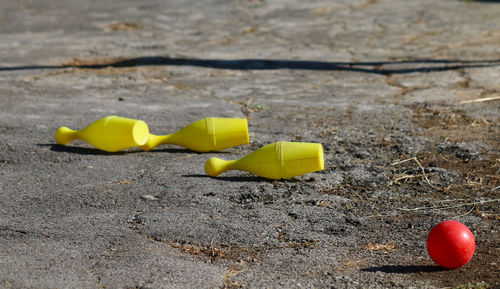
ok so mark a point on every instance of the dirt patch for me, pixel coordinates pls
(125, 26)
(453, 125)
(213, 252)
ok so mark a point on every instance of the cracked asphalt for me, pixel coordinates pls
(403, 96)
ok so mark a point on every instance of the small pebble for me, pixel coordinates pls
(149, 197)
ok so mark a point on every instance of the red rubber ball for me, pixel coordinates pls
(450, 244)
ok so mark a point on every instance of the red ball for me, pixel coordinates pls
(450, 244)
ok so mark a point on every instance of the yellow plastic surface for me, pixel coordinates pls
(111, 133)
(208, 134)
(280, 160)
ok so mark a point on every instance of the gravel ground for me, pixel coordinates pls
(403, 96)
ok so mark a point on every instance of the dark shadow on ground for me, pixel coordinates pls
(419, 65)
(247, 178)
(404, 269)
(173, 151)
(237, 179)
(94, 151)
(184, 150)
(83, 151)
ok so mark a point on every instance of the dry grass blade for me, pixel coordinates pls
(465, 214)
(480, 99)
(231, 271)
(449, 207)
(401, 177)
(421, 167)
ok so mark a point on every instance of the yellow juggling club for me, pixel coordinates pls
(112, 133)
(208, 134)
(280, 160)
